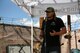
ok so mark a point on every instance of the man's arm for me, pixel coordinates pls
(41, 34)
(61, 32)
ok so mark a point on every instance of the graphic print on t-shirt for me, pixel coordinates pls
(53, 23)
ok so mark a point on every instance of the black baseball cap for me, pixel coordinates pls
(49, 9)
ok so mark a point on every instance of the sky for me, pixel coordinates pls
(13, 14)
(9, 11)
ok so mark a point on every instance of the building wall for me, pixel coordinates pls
(8, 36)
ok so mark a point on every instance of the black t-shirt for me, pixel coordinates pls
(48, 26)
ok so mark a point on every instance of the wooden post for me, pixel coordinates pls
(75, 39)
(69, 32)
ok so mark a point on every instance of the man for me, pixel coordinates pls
(52, 29)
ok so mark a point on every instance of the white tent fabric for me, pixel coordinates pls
(62, 7)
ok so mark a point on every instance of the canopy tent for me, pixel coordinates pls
(37, 7)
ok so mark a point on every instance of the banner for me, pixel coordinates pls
(60, 8)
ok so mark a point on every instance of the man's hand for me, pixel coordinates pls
(53, 33)
(61, 32)
(41, 34)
